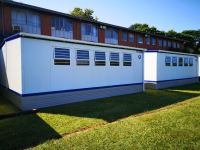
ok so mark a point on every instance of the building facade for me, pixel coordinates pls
(168, 69)
(39, 71)
(15, 17)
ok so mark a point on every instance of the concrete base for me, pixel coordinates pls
(169, 83)
(53, 99)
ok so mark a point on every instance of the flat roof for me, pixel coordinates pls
(57, 39)
(170, 52)
(13, 3)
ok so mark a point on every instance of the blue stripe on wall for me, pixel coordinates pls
(65, 91)
(150, 81)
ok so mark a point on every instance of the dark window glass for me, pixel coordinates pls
(174, 61)
(180, 61)
(82, 58)
(167, 61)
(124, 36)
(114, 59)
(61, 56)
(100, 58)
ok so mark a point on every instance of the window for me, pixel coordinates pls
(191, 62)
(180, 61)
(153, 40)
(131, 38)
(164, 43)
(114, 59)
(169, 44)
(89, 32)
(82, 58)
(160, 42)
(127, 60)
(174, 61)
(185, 61)
(174, 44)
(140, 39)
(148, 40)
(100, 58)
(62, 27)
(167, 61)
(61, 56)
(28, 21)
(178, 45)
(111, 36)
(124, 36)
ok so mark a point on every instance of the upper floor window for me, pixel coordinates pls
(140, 39)
(89, 32)
(164, 43)
(174, 44)
(153, 40)
(26, 21)
(169, 44)
(160, 42)
(178, 45)
(111, 36)
(62, 27)
(148, 40)
(124, 36)
(131, 38)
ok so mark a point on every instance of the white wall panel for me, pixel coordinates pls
(150, 66)
(41, 75)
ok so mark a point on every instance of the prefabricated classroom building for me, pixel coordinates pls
(168, 69)
(39, 71)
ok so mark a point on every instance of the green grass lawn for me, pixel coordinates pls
(6, 107)
(156, 119)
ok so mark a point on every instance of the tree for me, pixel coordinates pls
(145, 28)
(172, 33)
(140, 27)
(86, 13)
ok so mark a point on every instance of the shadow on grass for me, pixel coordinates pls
(30, 130)
(114, 108)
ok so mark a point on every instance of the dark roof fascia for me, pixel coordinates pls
(13, 3)
(170, 52)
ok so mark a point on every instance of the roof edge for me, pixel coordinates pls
(44, 37)
(170, 52)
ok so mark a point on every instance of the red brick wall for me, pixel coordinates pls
(101, 35)
(45, 24)
(46, 30)
(77, 30)
(7, 20)
(126, 43)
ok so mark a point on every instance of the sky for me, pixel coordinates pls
(178, 15)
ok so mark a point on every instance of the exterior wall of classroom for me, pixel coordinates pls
(162, 76)
(199, 65)
(175, 72)
(150, 66)
(36, 84)
(10, 66)
(43, 76)
(6, 30)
